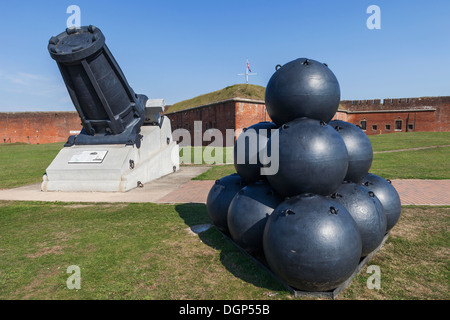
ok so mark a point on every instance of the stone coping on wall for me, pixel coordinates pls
(38, 112)
(422, 109)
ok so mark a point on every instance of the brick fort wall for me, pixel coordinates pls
(374, 116)
(397, 115)
(38, 127)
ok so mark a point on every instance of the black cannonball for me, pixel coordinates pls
(312, 243)
(388, 196)
(366, 210)
(312, 158)
(247, 150)
(302, 88)
(219, 199)
(360, 154)
(248, 213)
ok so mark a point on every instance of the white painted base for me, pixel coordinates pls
(158, 156)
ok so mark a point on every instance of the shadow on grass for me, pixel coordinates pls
(238, 263)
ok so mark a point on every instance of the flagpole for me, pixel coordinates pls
(247, 73)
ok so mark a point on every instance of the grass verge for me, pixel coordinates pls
(216, 172)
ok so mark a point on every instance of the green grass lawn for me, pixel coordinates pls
(418, 164)
(125, 251)
(22, 164)
(146, 251)
(406, 140)
(206, 155)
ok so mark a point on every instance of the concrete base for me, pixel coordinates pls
(123, 168)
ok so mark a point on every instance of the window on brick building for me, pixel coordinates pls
(388, 127)
(410, 126)
(363, 124)
(398, 125)
(374, 127)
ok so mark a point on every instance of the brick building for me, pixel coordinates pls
(397, 115)
(236, 113)
(374, 116)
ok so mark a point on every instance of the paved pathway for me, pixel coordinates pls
(423, 192)
(411, 192)
(151, 192)
(179, 188)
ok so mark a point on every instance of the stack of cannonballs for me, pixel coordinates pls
(321, 212)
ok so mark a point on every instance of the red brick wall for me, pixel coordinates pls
(421, 114)
(424, 114)
(249, 113)
(235, 114)
(395, 104)
(420, 121)
(38, 127)
(220, 115)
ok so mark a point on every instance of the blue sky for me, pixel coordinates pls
(177, 50)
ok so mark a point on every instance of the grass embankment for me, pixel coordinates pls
(247, 91)
(146, 251)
